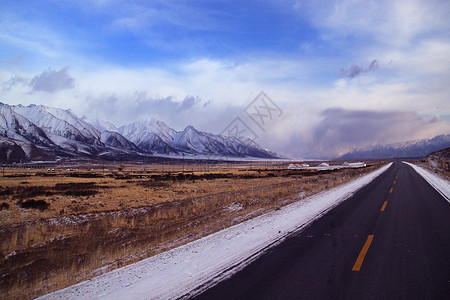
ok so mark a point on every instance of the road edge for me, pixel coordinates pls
(439, 184)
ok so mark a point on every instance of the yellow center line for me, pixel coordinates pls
(384, 206)
(390, 191)
(396, 177)
(395, 181)
(362, 254)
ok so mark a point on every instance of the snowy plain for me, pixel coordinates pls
(189, 269)
(439, 184)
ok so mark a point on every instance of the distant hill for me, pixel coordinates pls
(443, 154)
(418, 148)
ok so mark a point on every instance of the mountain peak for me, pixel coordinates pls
(190, 128)
(100, 125)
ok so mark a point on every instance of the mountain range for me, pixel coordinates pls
(41, 133)
(410, 149)
(37, 132)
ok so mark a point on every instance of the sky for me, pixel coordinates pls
(341, 74)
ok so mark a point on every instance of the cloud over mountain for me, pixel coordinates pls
(51, 81)
(342, 130)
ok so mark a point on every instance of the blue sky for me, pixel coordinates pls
(156, 33)
(324, 63)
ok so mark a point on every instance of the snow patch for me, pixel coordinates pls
(234, 207)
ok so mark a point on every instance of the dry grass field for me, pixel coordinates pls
(59, 227)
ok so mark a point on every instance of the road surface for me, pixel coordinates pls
(391, 240)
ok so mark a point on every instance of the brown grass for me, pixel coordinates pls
(103, 220)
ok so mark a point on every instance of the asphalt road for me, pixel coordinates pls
(391, 240)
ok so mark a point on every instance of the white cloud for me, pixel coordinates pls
(396, 23)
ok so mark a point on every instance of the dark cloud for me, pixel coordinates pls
(16, 80)
(435, 119)
(51, 81)
(189, 102)
(343, 130)
(355, 70)
(210, 101)
(162, 106)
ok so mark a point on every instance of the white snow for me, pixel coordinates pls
(58, 121)
(101, 125)
(14, 125)
(143, 130)
(115, 139)
(440, 184)
(193, 267)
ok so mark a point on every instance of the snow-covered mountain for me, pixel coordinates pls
(12, 150)
(101, 125)
(69, 132)
(15, 126)
(116, 140)
(191, 140)
(156, 136)
(64, 128)
(20, 138)
(43, 132)
(418, 148)
(143, 130)
(61, 126)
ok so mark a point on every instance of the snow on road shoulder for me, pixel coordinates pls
(440, 184)
(195, 266)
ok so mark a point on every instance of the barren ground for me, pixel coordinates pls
(59, 227)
